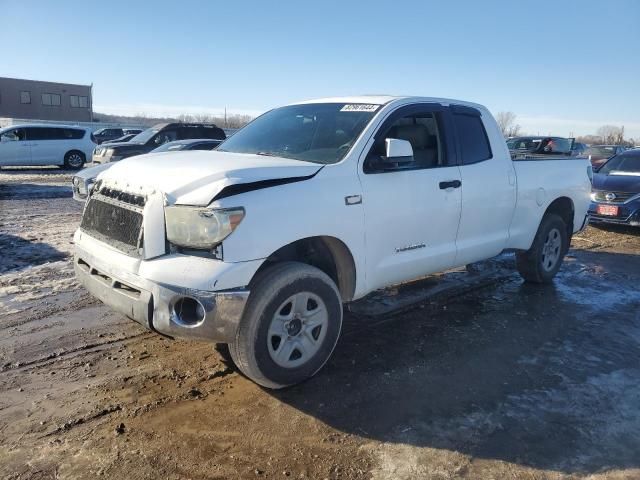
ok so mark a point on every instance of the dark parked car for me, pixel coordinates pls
(534, 147)
(155, 136)
(110, 134)
(193, 144)
(579, 149)
(124, 138)
(615, 197)
(598, 154)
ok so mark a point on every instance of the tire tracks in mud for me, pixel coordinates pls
(192, 394)
(68, 354)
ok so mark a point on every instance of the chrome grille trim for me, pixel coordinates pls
(620, 197)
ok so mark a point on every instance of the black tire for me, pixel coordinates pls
(74, 159)
(536, 265)
(272, 287)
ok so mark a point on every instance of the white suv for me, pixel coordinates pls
(45, 145)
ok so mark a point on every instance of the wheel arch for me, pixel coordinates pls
(563, 206)
(329, 254)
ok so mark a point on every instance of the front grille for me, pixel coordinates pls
(618, 197)
(124, 197)
(116, 219)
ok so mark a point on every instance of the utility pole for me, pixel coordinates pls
(225, 117)
(91, 100)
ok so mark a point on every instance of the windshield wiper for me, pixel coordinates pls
(267, 154)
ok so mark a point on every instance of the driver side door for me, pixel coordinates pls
(412, 211)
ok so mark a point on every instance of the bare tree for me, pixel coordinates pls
(507, 123)
(611, 134)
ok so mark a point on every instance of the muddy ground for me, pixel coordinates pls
(490, 378)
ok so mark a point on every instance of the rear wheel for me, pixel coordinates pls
(542, 261)
(74, 159)
(290, 326)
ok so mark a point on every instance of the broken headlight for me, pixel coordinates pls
(201, 228)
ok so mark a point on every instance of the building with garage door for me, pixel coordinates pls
(36, 100)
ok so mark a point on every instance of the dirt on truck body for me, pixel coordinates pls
(462, 375)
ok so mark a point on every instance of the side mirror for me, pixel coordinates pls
(398, 151)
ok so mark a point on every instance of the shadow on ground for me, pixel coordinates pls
(542, 376)
(17, 253)
(30, 191)
(611, 227)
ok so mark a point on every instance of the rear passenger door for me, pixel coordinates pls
(412, 211)
(488, 189)
(42, 145)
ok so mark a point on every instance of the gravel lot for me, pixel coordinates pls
(490, 378)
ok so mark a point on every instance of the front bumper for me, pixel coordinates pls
(628, 214)
(146, 294)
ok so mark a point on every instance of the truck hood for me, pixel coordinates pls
(196, 177)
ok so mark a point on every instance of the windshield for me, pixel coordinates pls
(314, 132)
(623, 164)
(144, 136)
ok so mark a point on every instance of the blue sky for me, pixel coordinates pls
(562, 66)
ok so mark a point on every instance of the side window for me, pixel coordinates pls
(185, 133)
(472, 138)
(165, 136)
(422, 130)
(37, 133)
(56, 134)
(213, 133)
(25, 97)
(17, 135)
(71, 134)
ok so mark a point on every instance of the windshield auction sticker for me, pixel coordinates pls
(359, 107)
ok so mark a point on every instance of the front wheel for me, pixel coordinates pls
(74, 159)
(542, 261)
(290, 325)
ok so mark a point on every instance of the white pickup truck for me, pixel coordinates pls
(312, 205)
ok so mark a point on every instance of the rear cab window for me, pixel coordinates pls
(472, 137)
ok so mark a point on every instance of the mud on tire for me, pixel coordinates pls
(542, 261)
(290, 325)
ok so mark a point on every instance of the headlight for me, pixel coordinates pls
(593, 197)
(200, 227)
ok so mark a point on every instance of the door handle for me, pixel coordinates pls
(450, 184)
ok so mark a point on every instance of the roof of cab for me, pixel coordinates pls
(385, 99)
